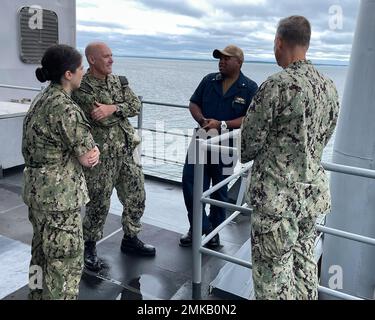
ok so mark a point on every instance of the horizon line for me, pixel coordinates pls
(316, 62)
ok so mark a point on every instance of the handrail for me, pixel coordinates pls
(140, 119)
(166, 132)
(337, 294)
(226, 181)
(345, 234)
(226, 205)
(140, 126)
(165, 104)
(356, 171)
(162, 159)
(221, 226)
(20, 88)
(201, 197)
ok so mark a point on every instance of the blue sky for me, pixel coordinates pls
(193, 28)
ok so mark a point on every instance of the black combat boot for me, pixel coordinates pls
(186, 240)
(90, 257)
(214, 242)
(136, 246)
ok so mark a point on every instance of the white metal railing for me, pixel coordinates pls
(203, 197)
(139, 119)
(6, 86)
(200, 197)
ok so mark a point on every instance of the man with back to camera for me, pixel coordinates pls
(218, 104)
(108, 101)
(287, 126)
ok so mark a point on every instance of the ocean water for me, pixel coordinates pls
(174, 81)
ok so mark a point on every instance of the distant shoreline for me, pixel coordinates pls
(318, 63)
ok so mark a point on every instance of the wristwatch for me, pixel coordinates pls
(223, 125)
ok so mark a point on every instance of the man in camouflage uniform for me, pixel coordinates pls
(288, 124)
(55, 134)
(108, 101)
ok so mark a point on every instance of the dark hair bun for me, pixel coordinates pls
(56, 61)
(41, 74)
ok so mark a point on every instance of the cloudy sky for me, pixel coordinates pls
(193, 28)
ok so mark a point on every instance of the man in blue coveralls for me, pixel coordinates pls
(218, 105)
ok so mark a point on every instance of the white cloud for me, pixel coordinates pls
(136, 19)
(177, 24)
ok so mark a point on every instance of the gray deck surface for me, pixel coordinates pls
(166, 276)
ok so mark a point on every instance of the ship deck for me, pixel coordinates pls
(163, 277)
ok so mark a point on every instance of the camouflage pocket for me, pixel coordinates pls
(62, 235)
(315, 199)
(274, 236)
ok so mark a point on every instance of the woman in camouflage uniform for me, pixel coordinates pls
(56, 144)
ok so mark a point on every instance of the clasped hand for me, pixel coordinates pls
(208, 124)
(102, 111)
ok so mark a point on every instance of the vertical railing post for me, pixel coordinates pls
(200, 152)
(140, 127)
(140, 118)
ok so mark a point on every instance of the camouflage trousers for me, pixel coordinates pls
(283, 257)
(126, 176)
(56, 254)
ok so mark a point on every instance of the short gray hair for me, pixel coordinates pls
(295, 30)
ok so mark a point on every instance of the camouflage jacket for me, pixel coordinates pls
(55, 133)
(114, 135)
(287, 126)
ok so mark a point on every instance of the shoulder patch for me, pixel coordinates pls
(124, 81)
